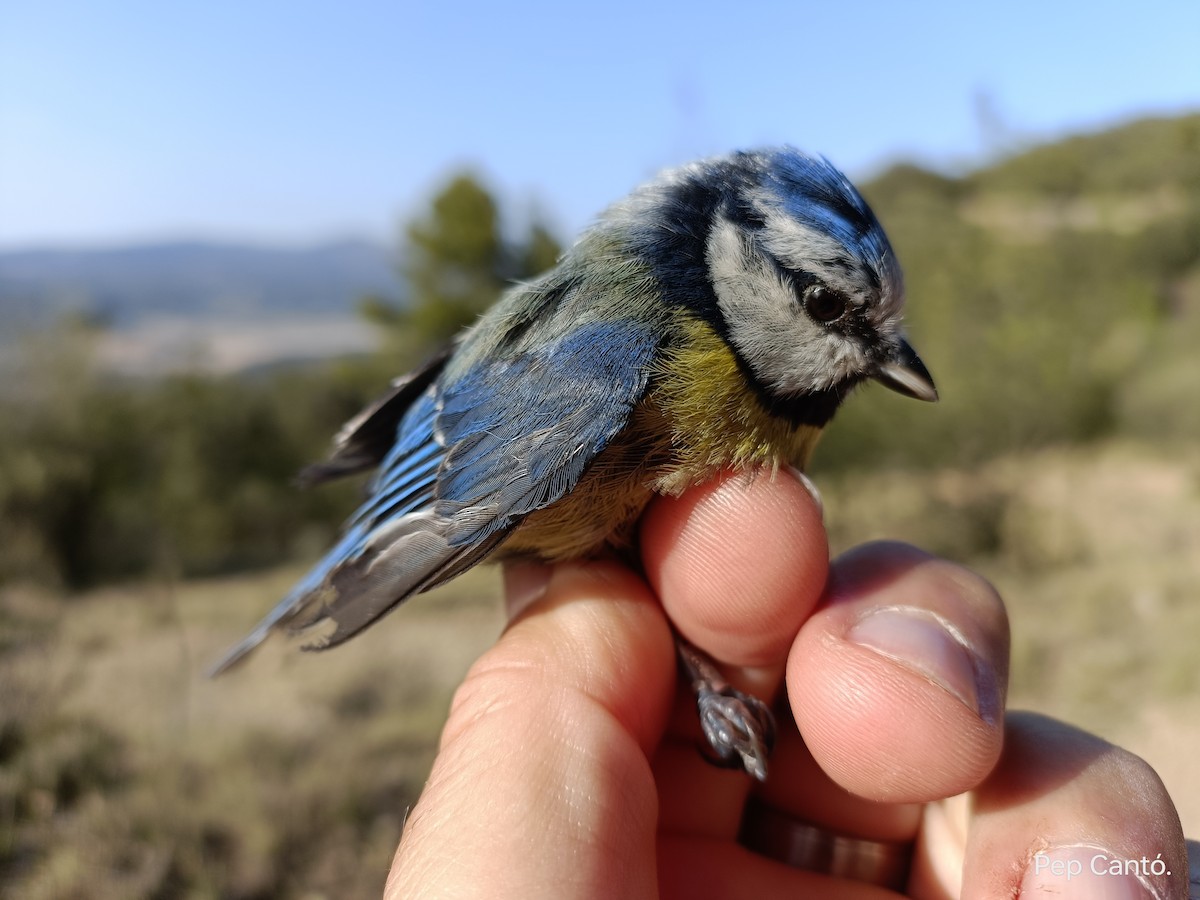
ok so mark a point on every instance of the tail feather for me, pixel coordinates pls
(298, 602)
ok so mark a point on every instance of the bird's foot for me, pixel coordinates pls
(739, 728)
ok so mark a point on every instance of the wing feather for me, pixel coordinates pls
(471, 457)
(365, 441)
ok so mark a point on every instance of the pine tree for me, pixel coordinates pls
(456, 263)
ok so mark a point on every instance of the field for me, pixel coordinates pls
(125, 774)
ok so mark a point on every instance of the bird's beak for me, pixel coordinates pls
(905, 374)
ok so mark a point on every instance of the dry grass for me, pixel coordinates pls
(125, 774)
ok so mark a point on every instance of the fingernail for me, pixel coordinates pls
(811, 487)
(1089, 872)
(524, 584)
(930, 646)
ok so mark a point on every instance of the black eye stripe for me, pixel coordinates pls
(742, 213)
(797, 279)
(852, 323)
(839, 262)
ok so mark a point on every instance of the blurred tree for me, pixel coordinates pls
(541, 252)
(456, 262)
(104, 478)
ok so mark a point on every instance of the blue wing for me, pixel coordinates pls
(472, 456)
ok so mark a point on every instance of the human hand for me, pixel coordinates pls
(568, 767)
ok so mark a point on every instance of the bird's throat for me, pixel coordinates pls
(717, 418)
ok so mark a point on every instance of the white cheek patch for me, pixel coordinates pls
(787, 351)
(801, 247)
(813, 250)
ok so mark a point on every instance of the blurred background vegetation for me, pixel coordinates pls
(145, 522)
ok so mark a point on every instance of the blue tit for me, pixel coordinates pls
(714, 319)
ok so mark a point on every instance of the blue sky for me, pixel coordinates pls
(297, 121)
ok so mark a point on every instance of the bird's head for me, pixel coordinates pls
(781, 255)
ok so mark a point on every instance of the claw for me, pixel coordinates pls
(739, 728)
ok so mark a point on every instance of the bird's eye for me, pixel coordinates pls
(823, 304)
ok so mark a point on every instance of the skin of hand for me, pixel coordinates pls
(568, 767)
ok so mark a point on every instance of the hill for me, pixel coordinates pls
(219, 306)
(1055, 296)
(122, 285)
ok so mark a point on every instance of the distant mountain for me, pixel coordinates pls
(124, 286)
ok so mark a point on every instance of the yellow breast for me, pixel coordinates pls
(699, 417)
(716, 419)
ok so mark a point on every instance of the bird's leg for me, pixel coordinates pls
(739, 728)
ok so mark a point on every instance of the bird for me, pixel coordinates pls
(713, 320)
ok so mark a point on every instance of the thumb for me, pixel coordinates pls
(541, 786)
